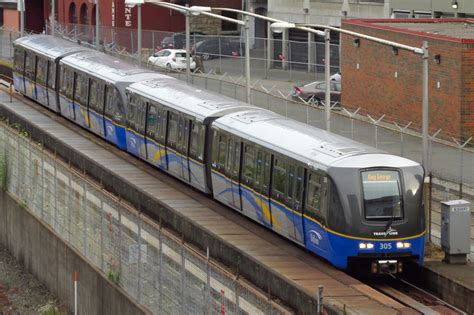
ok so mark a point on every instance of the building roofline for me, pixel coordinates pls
(378, 24)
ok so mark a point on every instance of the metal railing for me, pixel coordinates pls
(152, 265)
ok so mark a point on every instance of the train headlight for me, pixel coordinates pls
(403, 245)
(366, 246)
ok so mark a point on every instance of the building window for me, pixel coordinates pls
(229, 26)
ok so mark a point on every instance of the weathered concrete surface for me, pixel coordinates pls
(53, 262)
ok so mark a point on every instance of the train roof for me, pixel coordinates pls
(49, 46)
(202, 104)
(305, 143)
(106, 67)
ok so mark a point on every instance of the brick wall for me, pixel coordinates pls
(375, 89)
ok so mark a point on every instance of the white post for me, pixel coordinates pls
(425, 108)
(21, 8)
(97, 25)
(247, 58)
(53, 16)
(188, 47)
(327, 68)
(269, 46)
(139, 14)
(75, 292)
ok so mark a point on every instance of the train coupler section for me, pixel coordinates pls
(386, 267)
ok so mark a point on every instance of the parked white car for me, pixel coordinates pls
(172, 59)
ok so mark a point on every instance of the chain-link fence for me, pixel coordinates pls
(450, 159)
(148, 262)
(6, 44)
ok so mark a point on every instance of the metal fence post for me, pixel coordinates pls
(102, 211)
(461, 166)
(208, 283)
(319, 299)
(402, 138)
(160, 270)
(183, 280)
(139, 282)
(55, 192)
(84, 215)
(376, 124)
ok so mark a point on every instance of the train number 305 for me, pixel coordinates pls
(385, 246)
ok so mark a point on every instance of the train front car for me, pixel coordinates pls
(376, 219)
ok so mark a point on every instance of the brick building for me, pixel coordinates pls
(381, 80)
(114, 13)
(10, 16)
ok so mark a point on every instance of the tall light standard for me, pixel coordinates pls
(454, 5)
(21, 8)
(138, 3)
(53, 16)
(278, 27)
(97, 24)
(197, 10)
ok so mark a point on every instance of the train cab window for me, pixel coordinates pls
(196, 148)
(382, 195)
(41, 71)
(172, 130)
(52, 74)
(19, 60)
(315, 206)
(30, 65)
(248, 175)
(81, 89)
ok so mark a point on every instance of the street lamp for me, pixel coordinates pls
(197, 10)
(279, 27)
(97, 24)
(454, 5)
(21, 8)
(139, 3)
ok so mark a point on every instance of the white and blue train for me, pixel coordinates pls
(344, 201)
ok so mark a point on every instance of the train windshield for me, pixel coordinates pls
(382, 195)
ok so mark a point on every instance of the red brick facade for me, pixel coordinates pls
(391, 84)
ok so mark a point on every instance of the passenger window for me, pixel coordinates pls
(248, 165)
(197, 141)
(117, 104)
(30, 65)
(280, 179)
(52, 75)
(183, 134)
(314, 197)
(222, 151)
(93, 94)
(291, 181)
(19, 60)
(67, 82)
(41, 71)
(172, 130)
(108, 101)
(141, 116)
(162, 123)
(298, 197)
(132, 109)
(81, 89)
(151, 121)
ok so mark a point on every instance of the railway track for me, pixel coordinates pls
(417, 299)
(414, 297)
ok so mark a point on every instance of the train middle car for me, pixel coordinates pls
(347, 202)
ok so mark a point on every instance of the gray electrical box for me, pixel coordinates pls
(456, 230)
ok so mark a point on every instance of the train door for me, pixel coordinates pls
(155, 135)
(41, 78)
(30, 74)
(315, 213)
(114, 117)
(196, 155)
(262, 185)
(233, 170)
(251, 206)
(295, 201)
(52, 96)
(81, 93)
(184, 125)
(221, 182)
(19, 69)
(135, 123)
(66, 92)
(96, 107)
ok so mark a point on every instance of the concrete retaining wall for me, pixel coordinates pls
(225, 253)
(53, 262)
